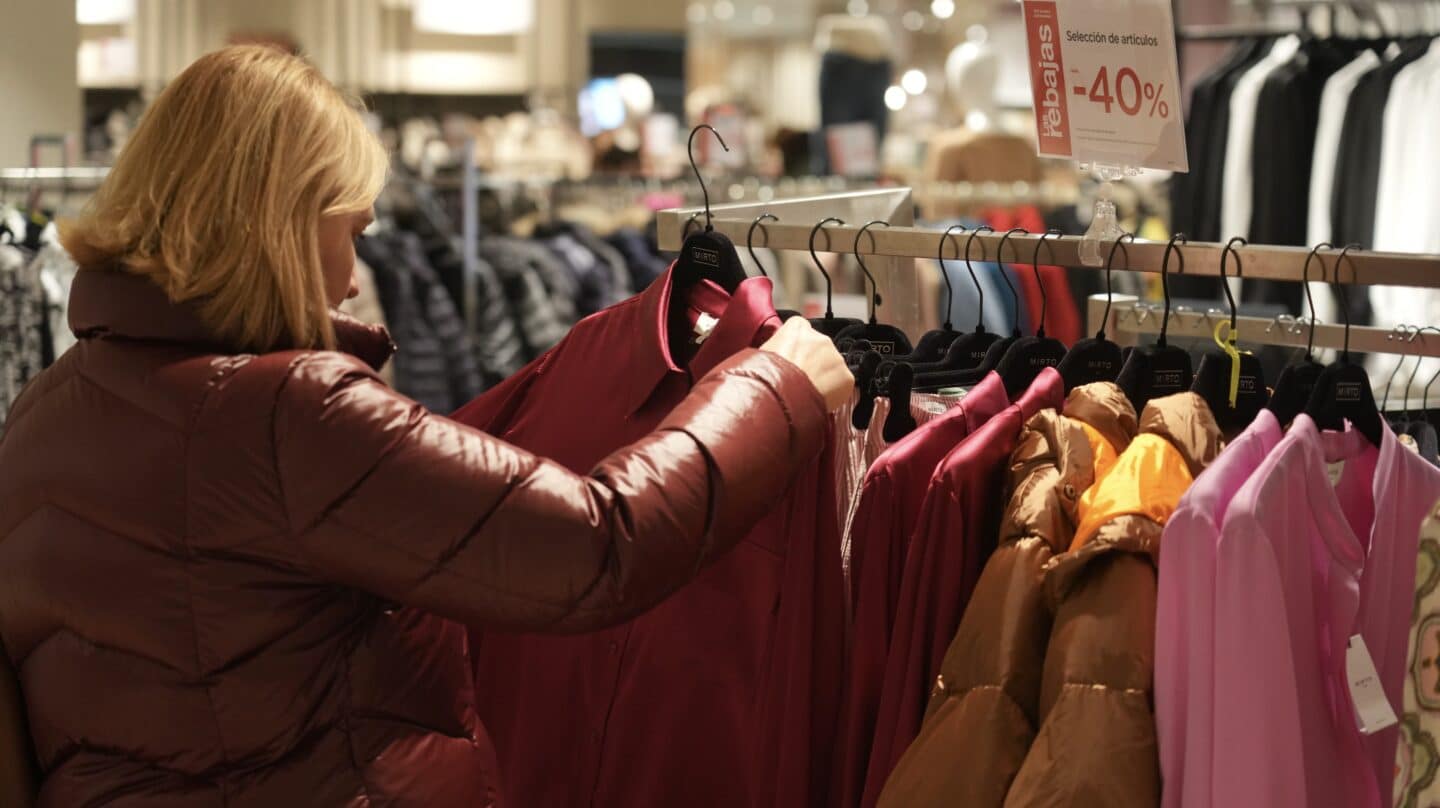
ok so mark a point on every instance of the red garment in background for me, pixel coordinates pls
(1062, 314)
(955, 535)
(726, 693)
(890, 501)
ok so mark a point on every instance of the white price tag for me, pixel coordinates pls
(1372, 710)
(1105, 82)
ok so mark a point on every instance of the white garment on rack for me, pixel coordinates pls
(1239, 177)
(1403, 182)
(1334, 102)
(1408, 202)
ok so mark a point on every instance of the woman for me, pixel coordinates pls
(229, 555)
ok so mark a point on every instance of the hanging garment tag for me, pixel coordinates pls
(1372, 711)
(704, 324)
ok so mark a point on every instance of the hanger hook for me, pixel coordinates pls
(1005, 276)
(1410, 385)
(1309, 298)
(980, 311)
(874, 287)
(750, 239)
(1239, 273)
(1109, 287)
(1345, 296)
(1165, 280)
(1035, 267)
(949, 285)
(1403, 330)
(829, 307)
(685, 231)
(690, 147)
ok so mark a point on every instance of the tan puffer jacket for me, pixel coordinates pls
(1097, 746)
(228, 579)
(983, 710)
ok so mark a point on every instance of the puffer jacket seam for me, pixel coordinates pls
(345, 709)
(187, 564)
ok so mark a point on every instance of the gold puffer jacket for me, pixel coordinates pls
(1096, 745)
(984, 707)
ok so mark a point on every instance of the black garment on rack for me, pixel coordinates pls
(1212, 173)
(1285, 122)
(1357, 175)
(435, 359)
(852, 90)
(1196, 197)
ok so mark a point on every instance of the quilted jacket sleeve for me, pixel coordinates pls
(19, 772)
(386, 497)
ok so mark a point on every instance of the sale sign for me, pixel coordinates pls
(1105, 82)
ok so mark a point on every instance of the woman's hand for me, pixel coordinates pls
(816, 356)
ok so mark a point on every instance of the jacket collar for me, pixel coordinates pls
(1184, 420)
(112, 304)
(745, 318)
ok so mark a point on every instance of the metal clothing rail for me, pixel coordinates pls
(1194, 258)
(73, 174)
(1131, 319)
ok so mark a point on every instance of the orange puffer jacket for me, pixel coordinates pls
(984, 707)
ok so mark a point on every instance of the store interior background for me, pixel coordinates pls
(540, 91)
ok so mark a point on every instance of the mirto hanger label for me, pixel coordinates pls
(706, 256)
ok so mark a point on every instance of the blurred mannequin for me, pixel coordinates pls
(978, 151)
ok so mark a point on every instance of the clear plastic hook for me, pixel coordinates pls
(1105, 224)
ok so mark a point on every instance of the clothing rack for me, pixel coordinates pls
(1255, 261)
(1131, 319)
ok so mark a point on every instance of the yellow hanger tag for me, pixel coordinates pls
(1227, 344)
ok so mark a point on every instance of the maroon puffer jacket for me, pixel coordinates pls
(228, 579)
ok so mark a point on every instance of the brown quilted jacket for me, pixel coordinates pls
(229, 580)
(984, 707)
(1096, 746)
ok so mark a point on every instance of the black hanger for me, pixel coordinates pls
(899, 383)
(1297, 381)
(958, 369)
(866, 383)
(887, 340)
(1213, 377)
(933, 344)
(1342, 393)
(785, 314)
(707, 255)
(1028, 356)
(1152, 371)
(1096, 359)
(829, 325)
(968, 350)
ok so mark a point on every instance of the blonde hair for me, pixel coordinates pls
(218, 196)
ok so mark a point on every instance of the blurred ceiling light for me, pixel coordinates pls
(697, 14)
(762, 15)
(977, 33)
(474, 18)
(104, 12)
(913, 21)
(724, 10)
(944, 9)
(858, 8)
(895, 98)
(914, 81)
